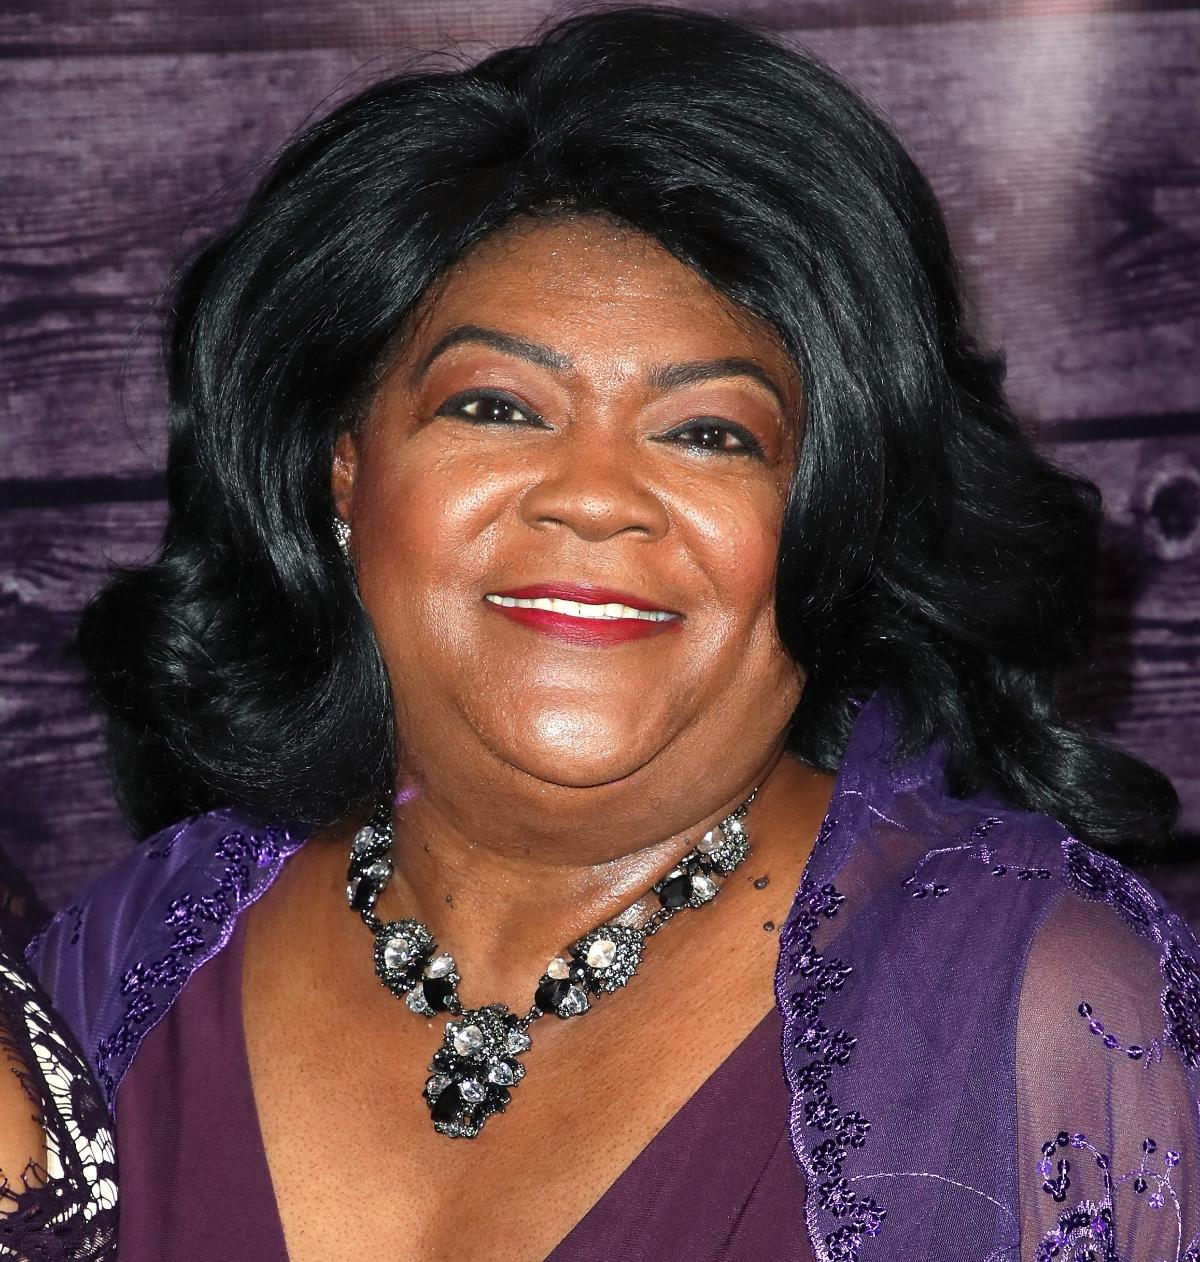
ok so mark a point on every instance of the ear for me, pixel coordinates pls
(345, 463)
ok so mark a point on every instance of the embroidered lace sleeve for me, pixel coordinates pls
(1107, 1075)
(991, 1032)
(61, 1208)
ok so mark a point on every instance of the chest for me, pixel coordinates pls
(337, 1090)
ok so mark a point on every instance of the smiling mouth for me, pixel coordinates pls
(583, 614)
(611, 611)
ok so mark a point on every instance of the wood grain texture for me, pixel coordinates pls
(1063, 152)
(1145, 692)
(61, 826)
(1075, 209)
(67, 27)
(115, 171)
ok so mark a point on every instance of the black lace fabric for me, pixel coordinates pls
(63, 1208)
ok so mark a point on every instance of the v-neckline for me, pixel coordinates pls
(233, 953)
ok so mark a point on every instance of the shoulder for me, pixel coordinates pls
(1104, 1043)
(1113, 937)
(1107, 1067)
(115, 960)
(988, 1025)
(1073, 912)
(977, 1002)
(1072, 920)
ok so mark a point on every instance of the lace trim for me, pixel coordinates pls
(66, 1209)
(1088, 1229)
(194, 926)
(839, 1219)
(1098, 877)
(822, 1133)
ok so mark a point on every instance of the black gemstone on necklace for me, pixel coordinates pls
(438, 992)
(448, 1104)
(675, 892)
(363, 894)
(476, 1066)
(550, 994)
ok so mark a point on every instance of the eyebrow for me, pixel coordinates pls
(505, 343)
(664, 377)
(673, 376)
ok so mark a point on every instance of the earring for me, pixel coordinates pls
(341, 532)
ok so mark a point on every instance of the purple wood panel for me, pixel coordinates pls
(1076, 210)
(60, 823)
(73, 26)
(1064, 151)
(1144, 689)
(1059, 134)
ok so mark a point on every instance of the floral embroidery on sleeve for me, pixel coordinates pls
(1099, 878)
(832, 1130)
(193, 927)
(1086, 1232)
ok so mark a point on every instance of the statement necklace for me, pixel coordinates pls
(476, 1067)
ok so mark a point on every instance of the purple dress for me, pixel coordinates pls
(718, 1181)
(990, 1039)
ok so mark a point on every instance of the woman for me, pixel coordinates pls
(599, 555)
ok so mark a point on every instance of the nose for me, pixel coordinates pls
(593, 486)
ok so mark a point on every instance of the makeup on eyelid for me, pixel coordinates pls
(496, 406)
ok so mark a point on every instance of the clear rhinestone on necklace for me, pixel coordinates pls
(471, 1074)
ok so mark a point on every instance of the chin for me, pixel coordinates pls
(577, 750)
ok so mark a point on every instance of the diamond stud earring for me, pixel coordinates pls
(341, 532)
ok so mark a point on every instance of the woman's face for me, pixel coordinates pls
(576, 415)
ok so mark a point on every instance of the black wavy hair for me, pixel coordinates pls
(926, 545)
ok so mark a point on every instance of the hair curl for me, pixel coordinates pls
(926, 546)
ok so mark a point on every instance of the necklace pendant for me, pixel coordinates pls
(474, 1069)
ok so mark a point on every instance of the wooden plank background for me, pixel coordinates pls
(1060, 135)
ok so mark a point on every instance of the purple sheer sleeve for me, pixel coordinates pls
(117, 960)
(1107, 1053)
(970, 998)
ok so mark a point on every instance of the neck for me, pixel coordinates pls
(504, 892)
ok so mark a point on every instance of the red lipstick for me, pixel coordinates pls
(584, 630)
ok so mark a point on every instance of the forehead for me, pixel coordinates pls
(594, 288)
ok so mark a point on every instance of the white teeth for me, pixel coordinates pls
(573, 609)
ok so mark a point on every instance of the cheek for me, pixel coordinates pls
(426, 527)
(738, 546)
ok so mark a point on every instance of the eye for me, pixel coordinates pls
(487, 408)
(711, 434)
